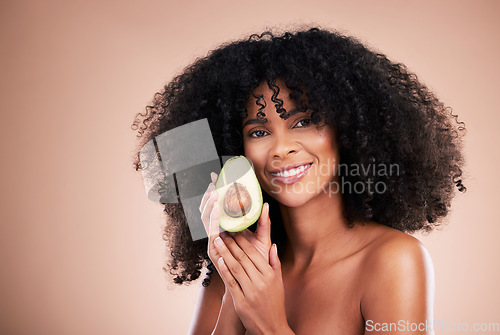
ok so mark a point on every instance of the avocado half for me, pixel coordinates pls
(240, 196)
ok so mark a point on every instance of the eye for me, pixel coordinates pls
(257, 133)
(303, 123)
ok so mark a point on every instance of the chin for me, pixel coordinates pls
(291, 199)
(295, 195)
(292, 203)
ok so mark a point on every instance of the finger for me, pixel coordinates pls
(263, 231)
(247, 233)
(213, 233)
(214, 176)
(208, 192)
(207, 211)
(254, 255)
(235, 263)
(274, 259)
(229, 280)
(207, 195)
(213, 230)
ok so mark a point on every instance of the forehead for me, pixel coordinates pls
(269, 99)
(270, 90)
(251, 119)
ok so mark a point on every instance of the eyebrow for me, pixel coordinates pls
(262, 121)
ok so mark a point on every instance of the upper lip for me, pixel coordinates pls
(288, 167)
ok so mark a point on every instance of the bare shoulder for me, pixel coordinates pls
(398, 277)
(394, 254)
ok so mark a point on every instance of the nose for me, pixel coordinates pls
(284, 146)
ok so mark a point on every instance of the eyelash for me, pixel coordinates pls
(306, 119)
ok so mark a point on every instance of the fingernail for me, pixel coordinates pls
(275, 248)
(219, 242)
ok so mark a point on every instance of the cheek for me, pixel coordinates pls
(248, 150)
(327, 149)
(326, 144)
(254, 154)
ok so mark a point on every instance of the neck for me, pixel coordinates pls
(317, 232)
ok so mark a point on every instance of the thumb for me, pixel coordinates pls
(213, 231)
(264, 225)
(274, 260)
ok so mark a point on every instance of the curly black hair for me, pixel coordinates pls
(381, 112)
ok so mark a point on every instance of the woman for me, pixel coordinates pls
(351, 151)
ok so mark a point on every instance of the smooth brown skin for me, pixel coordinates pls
(334, 278)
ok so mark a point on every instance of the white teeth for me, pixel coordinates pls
(291, 172)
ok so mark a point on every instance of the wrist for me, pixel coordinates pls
(284, 330)
(228, 321)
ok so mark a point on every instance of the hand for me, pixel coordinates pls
(254, 280)
(209, 209)
(260, 240)
(228, 321)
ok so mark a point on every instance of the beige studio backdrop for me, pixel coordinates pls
(81, 249)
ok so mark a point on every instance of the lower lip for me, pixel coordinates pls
(292, 179)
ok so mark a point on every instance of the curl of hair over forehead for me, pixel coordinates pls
(382, 113)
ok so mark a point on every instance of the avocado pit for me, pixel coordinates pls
(237, 201)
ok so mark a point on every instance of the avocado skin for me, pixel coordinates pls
(239, 169)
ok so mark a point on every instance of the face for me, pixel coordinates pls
(294, 159)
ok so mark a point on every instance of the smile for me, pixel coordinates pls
(291, 176)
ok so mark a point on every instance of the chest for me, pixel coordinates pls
(326, 302)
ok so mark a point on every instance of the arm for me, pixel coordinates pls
(399, 289)
(214, 312)
(256, 286)
(233, 314)
(228, 322)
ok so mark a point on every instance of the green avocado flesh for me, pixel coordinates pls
(240, 196)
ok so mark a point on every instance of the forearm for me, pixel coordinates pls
(229, 322)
